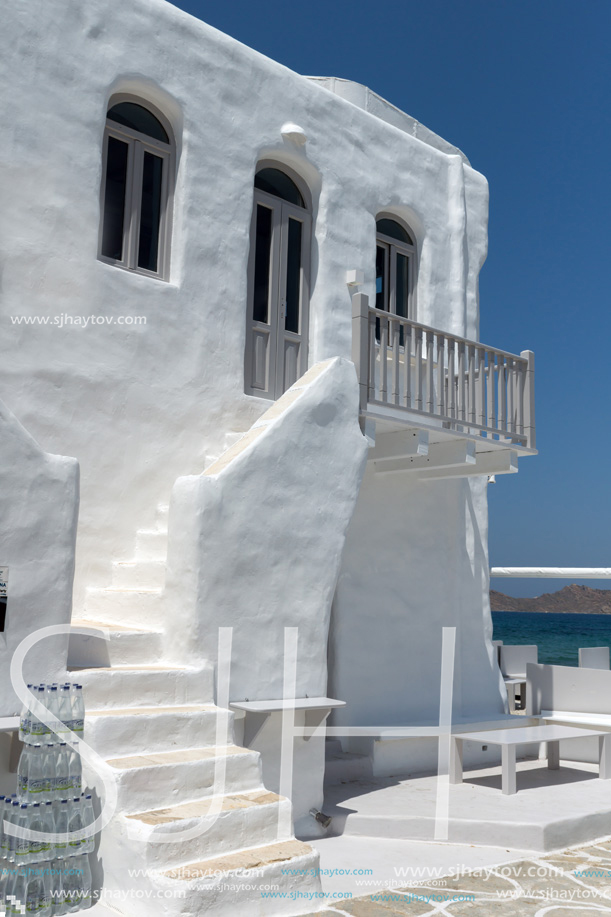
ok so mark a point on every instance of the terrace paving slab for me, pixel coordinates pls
(497, 882)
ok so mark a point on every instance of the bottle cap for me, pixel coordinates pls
(54, 687)
(36, 805)
(88, 796)
(64, 801)
(24, 805)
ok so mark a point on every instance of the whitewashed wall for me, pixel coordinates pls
(416, 560)
(38, 516)
(255, 544)
(141, 406)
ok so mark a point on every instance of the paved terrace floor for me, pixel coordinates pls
(387, 874)
(575, 882)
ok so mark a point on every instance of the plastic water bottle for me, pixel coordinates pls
(25, 720)
(45, 904)
(85, 882)
(37, 727)
(36, 824)
(88, 819)
(52, 699)
(43, 697)
(65, 709)
(5, 875)
(34, 890)
(49, 771)
(75, 823)
(22, 845)
(62, 771)
(75, 770)
(9, 816)
(8, 889)
(72, 887)
(78, 710)
(57, 886)
(6, 811)
(19, 890)
(61, 827)
(23, 770)
(36, 777)
(48, 826)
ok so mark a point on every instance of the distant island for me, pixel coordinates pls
(573, 598)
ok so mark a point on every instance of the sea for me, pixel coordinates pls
(558, 636)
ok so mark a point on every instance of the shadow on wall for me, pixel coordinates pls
(39, 500)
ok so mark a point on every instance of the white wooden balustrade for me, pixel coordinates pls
(468, 386)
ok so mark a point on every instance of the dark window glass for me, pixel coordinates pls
(280, 185)
(394, 230)
(150, 212)
(381, 298)
(263, 247)
(114, 199)
(381, 292)
(129, 114)
(293, 276)
(402, 285)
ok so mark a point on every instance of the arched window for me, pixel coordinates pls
(278, 284)
(395, 268)
(136, 194)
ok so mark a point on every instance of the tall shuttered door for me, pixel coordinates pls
(277, 330)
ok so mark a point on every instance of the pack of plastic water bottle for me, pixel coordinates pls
(47, 877)
(65, 702)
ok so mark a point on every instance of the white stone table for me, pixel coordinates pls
(509, 739)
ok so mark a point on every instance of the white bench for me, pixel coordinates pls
(571, 696)
(594, 657)
(565, 693)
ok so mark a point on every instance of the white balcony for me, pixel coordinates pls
(437, 403)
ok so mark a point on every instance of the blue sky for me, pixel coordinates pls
(523, 88)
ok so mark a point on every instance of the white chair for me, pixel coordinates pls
(594, 657)
(513, 660)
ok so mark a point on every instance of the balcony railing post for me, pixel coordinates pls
(462, 398)
(481, 387)
(441, 375)
(491, 417)
(360, 344)
(430, 372)
(451, 386)
(529, 400)
(419, 370)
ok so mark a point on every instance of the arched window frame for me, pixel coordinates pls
(395, 247)
(270, 376)
(139, 144)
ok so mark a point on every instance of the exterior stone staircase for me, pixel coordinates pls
(155, 725)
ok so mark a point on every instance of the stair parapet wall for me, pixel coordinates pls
(39, 502)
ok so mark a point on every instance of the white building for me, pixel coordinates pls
(184, 224)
